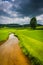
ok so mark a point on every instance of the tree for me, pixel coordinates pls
(33, 23)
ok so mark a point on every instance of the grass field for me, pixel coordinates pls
(31, 42)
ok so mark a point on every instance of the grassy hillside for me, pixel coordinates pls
(31, 42)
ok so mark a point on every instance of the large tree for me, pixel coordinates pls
(33, 23)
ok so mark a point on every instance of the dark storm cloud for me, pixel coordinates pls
(27, 7)
(6, 0)
(20, 11)
(2, 13)
(4, 8)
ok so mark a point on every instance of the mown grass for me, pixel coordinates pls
(31, 42)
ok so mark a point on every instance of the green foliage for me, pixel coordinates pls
(31, 42)
(33, 23)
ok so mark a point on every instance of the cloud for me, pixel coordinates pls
(40, 19)
(5, 8)
(7, 20)
(24, 7)
(21, 10)
(29, 7)
(13, 0)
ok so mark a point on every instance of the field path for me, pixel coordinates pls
(11, 54)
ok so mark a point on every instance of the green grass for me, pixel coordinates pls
(30, 40)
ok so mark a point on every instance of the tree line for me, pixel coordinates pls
(33, 24)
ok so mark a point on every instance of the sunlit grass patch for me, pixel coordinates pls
(31, 42)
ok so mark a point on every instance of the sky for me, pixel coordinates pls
(20, 11)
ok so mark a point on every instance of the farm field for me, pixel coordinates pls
(31, 42)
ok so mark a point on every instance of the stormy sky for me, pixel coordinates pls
(20, 11)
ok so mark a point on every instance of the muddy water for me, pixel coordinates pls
(11, 54)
